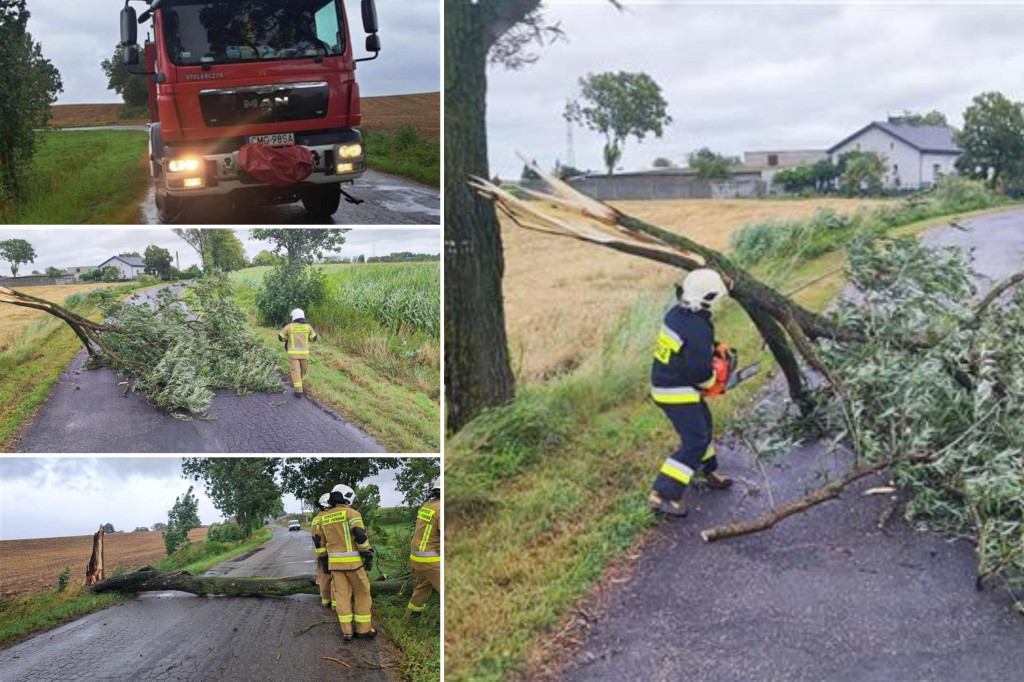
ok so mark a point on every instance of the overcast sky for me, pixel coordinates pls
(77, 35)
(756, 75)
(55, 497)
(80, 246)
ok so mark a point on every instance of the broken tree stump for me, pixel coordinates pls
(148, 579)
(94, 573)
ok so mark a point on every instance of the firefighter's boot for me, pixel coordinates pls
(662, 507)
(717, 481)
(370, 634)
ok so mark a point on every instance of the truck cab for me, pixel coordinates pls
(255, 101)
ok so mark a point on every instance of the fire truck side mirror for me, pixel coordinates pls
(369, 17)
(130, 54)
(373, 43)
(129, 26)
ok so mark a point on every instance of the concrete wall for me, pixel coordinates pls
(902, 162)
(28, 281)
(655, 186)
(784, 158)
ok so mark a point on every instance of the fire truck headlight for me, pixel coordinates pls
(185, 165)
(349, 151)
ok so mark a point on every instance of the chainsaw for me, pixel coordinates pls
(727, 376)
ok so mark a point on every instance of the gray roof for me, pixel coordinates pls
(933, 139)
(134, 261)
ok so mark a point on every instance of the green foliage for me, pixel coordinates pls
(818, 176)
(30, 84)
(108, 528)
(265, 258)
(158, 262)
(181, 518)
(395, 297)
(110, 274)
(307, 478)
(794, 241)
(24, 615)
(285, 288)
(415, 478)
(224, 532)
(860, 173)
(220, 249)
(54, 273)
(63, 578)
(199, 558)
(141, 529)
(662, 162)
(711, 166)
(242, 487)
(17, 252)
(945, 412)
(301, 246)
(993, 140)
(131, 86)
(619, 105)
(931, 118)
(176, 363)
(416, 158)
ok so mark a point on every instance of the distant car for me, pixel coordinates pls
(293, 525)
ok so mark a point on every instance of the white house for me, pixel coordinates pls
(915, 155)
(130, 266)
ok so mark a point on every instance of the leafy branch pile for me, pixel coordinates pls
(174, 356)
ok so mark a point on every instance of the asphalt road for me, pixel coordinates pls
(86, 412)
(178, 636)
(825, 595)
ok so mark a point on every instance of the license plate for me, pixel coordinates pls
(274, 140)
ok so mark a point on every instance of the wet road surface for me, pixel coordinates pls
(825, 595)
(178, 636)
(86, 412)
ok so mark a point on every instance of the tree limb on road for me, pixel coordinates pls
(148, 579)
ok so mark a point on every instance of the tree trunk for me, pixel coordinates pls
(477, 370)
(148, 579)
(94, 573)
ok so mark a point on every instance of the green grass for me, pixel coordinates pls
(381, 370)
(29, 614)
(84, 178)
(404, 153)
(199, 558)
(544, 495)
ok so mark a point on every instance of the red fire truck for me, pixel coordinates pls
(251, 100)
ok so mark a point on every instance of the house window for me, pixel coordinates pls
(773, 159)
(936, 170)
(892, 145)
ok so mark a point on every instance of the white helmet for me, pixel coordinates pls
(702, 289)
(436, 485)
(297, 314)
(347, 493)
(325, 501)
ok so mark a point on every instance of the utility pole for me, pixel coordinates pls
(570, 151)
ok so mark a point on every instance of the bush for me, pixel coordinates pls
(63, 578)
(406, 138)
(225, 532)
(285, 288)
(146, 280)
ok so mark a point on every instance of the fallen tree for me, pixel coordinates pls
(173, 355)
(148, 579)
(921, 377)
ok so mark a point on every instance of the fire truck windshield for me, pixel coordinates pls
(221, 32)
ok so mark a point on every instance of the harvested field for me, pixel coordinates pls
(33, 565)
(422, 111)
(75, 115)
(561, 296)
(15, 320)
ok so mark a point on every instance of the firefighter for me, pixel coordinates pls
(425, 552)
(323, 577)
(297, 336)
(683, 371)
(348, 551)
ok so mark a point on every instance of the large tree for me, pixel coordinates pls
(992, 140)
(182, 517)
(931, 118)
(302, 246)
(131, 86)
(158, 261)
(619, 105)
(416, 477)
(307, 478)
(477, 370)
(17, 252)
(710, 165)
(243, 487)
(219, 248)
(30, 84)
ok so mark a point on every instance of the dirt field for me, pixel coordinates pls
(33, 565)
(14, 320)
(561, 295)
(422, 111)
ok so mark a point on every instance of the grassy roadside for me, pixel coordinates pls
(544, 495)
(32, 365)
(84, 177)
(27, 615)
(403, 152)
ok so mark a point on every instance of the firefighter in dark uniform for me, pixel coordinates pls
(683, 372)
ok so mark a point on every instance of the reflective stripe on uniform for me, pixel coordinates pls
(675, 396)
(677, 470)
(709, 453)
(343, 558)
(345, 619)
(670, 338)
(293, 349)
(424, 557)
(413, 607)
(325, 602)
(362, 619)
(426, 537)
(319, 551)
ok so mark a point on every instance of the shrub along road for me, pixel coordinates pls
(825, 595)
(177, 636)
(86, 412)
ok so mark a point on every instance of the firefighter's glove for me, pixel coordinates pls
(723, 364)
(367, 560)
(324, 564)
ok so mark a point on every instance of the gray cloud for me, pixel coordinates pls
(77, 246)
(747, 76)
(77, 36)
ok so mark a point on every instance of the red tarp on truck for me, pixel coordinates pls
(277, 166)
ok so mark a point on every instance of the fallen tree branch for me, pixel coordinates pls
(992, 296)
(337, 660)
(310, 627)
(148, 579)
(828, 492)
